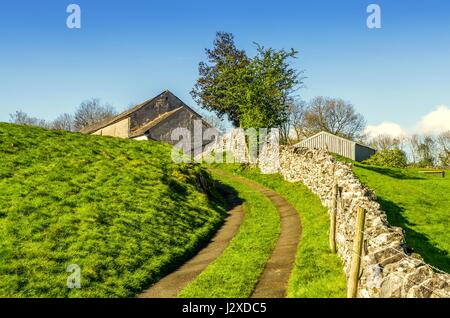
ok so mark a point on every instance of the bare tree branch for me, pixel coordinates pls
(92, 111)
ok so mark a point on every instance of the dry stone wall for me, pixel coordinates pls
(386, 268)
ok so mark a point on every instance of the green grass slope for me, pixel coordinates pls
(418, 203)
(119, 209)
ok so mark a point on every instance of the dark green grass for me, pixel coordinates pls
(120, 209)
(317, 272)
(236, 271)
(418, 203)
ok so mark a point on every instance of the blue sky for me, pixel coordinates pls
(129, 51)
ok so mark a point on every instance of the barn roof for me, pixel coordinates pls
(127, 113)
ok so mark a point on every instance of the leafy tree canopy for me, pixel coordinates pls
(252, 92)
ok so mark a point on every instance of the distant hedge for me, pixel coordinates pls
(394, 158)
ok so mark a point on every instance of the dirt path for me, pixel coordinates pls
(172, 284)
(274, 279)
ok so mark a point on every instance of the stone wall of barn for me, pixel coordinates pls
(164, 103)
(182, 127)
(120, 129)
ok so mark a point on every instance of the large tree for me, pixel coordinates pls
(272, 80)
(252, 92)
(219, 87)
(335, 116)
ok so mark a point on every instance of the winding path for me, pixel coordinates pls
(273, 281)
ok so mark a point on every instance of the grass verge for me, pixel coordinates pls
(317, 272)
(119, 209)
(235, 273)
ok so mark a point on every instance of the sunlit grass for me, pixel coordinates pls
(120, 209)
(317, 272)
(419, 203)
(236, 272)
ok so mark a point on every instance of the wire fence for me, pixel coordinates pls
(414, 261)
(436, 292)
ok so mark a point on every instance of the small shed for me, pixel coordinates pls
(341, 146)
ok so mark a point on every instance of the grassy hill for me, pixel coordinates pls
(119, 209)
(418, 203)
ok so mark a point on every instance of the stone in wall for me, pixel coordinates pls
(386, 270)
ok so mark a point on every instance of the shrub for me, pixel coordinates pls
(394, 158)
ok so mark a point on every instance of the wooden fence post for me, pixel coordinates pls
(352, 287)
(333, 218)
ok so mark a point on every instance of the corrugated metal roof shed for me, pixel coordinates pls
(341, 146)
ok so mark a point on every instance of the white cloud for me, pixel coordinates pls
(436, 121)
(385, 128)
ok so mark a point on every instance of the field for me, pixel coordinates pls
(418, 203)
(317, 272)
(119, 209)
(126, 215)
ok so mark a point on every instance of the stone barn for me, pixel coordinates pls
(154, 119)
(338, 145)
